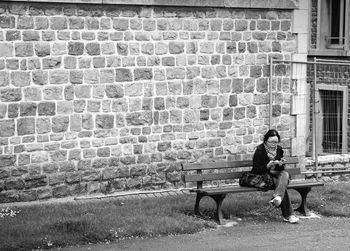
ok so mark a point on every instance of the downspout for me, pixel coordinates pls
(270, 93)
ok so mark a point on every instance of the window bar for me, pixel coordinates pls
(346, 35)
(341, 23)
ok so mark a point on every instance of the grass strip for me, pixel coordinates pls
(53, 225)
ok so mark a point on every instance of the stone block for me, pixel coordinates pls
(7, 160)
(28, 195)
(27, 109)
(6, 49)
(25, 126)
(123, 75)
(31, 36)
(60, 191)
(93, 49)
(75, 48)
(35, 181)
(114, 91)
(4, 78)
(76, 23)
(91, 76)
(46, 109)
(7, 128)
(53, 93)
(69, 93)
(175, 73)
(66, 166)
(139, 118)
(107, 48)
(70, 62)
(7, 22)
(40, 77)
(20, 78)
(176, 47)
(134, 89)
(24, 49)
(52, 62)
(143, 74)
(32, 94)
(93, 105)
(25, 22)
(58, 77)
(239, 113)
(87, 121)
(76, 76)
(58, 155)
(39, 157)
(41, 23)
(60, 124)
(5, 173)
(23, 159)
(44, 193)
(255, 71)
(74, 154)
(59, 48)
(105, 121)
(64, 107)
(43, 125)
(91, 175)
(58, 23)
(3, 109)
(79, 105)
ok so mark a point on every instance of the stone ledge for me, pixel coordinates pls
(256, 4)
(328, 159)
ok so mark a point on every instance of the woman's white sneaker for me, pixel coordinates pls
(291, 219)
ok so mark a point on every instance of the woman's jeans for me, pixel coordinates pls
(281, 181)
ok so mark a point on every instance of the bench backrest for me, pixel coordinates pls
(209, 171)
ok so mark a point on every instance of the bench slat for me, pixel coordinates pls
(238, 189)
(216, 165)
(227, 164)
(225, 175)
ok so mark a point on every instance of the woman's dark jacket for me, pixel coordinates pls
(260, 159)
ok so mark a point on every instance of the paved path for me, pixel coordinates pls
(310, 234)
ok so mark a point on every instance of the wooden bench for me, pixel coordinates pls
(198, 173)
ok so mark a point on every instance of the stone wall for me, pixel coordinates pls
(100, 98)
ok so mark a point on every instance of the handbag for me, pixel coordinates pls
(261, 181)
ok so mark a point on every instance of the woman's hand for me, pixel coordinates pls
(271, 164)
(280, 162)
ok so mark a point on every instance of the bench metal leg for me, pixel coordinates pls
(303, 193)
(218, 215)
(196, 207)
(219, 198)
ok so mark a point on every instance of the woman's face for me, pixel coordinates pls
(272, 141)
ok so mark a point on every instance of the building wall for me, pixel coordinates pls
(100, 98)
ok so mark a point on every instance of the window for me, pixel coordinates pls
(331, 36)
(331, 119)
(337, 24)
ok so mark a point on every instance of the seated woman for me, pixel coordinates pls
(268, 159)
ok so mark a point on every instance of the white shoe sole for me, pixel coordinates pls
(291, 222)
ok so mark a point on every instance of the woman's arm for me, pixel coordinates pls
(260, 161)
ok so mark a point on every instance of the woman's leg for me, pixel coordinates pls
(286, 206)
(281, 182)
(282, 197)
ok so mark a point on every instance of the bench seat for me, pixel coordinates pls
(239, 189)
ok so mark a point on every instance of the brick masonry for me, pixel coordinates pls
(110, 98)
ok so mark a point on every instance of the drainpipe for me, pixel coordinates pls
(314, 127)
(270, 93)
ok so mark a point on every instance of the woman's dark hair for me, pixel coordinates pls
(271, 133)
